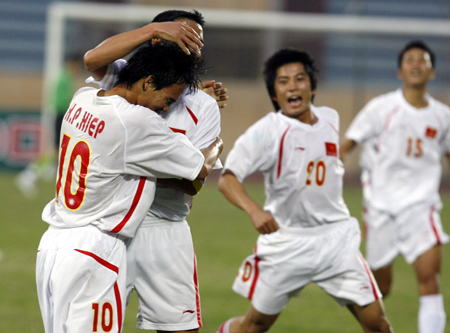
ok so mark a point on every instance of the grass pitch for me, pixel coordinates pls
(223, 237)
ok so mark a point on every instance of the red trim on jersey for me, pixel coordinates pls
(333, 127)
(197, 295)
(119, 306)
(433, 225)
(255, 277)
(177, 130)
(386, 125)
(389, 117)
(101, 261)
(280, 154)
(192, 115)
(374, 290)
(136, 199)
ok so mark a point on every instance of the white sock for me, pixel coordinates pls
(225, 327)
(431, 314)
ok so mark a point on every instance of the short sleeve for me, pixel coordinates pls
(251, 152)
(111, 76)
(365, 126)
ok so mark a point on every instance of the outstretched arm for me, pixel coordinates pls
(235, 192)
(97, 60)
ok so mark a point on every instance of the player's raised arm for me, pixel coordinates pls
(118, 46)
(235, 192)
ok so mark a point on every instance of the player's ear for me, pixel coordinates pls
(432, 74)
(148, 83)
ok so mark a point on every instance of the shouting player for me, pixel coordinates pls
(404, 134)
(307, 234)
(161, 259)
(113, 146)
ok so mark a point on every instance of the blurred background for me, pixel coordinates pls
(355, 65)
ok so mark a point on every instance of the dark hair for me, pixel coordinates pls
(166, 63)
(416, 44)
(284, 57)
(172, 15)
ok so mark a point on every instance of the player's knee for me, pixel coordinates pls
(258, 326)
(380, 325)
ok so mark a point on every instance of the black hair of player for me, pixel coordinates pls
(419, 45)
(172, 15)
(166, 63)
(284, 57)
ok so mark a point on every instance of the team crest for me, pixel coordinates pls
(431, 133)
(331, 149)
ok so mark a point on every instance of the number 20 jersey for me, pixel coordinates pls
(302, 172)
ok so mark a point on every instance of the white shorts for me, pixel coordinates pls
(409, 233)
(80, 276)
(286, 261)
(162, 269)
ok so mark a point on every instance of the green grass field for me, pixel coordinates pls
(223, 237)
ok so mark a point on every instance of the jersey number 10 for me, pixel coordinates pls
(73, 199)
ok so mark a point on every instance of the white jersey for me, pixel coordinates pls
(109, 162)
(195, 115)
(302, 171)
(407, 145)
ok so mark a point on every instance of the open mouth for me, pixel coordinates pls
(295, 101)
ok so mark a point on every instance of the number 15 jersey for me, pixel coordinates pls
(407, 145)
(302, 172)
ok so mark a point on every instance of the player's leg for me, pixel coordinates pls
(278, 270)
(252, 322)
(432, 316)
(421, 247)
(381, 246)
(81, 280)
(349, 280)
(371, 317)
(165, 277)
(384, 277)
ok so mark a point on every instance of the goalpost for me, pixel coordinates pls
(60, 13)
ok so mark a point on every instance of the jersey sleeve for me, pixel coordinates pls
(111, 76)
(251, 152)
(157, 151)
(365, 126)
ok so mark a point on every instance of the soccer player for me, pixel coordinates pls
(113, 147)
(161, 259)
(404, 134)
(307, 234)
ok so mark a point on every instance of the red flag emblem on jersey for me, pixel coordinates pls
(331, 149)
(431, 132)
